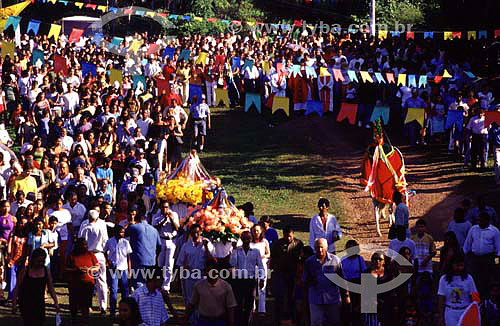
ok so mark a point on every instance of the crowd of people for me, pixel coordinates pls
(79, 204)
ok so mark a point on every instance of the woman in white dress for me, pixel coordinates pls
(260, 243)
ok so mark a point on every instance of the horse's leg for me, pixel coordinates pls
(376, 208)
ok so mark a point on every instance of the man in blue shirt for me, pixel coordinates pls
(323, 294)
(145, 243)
(494, 139)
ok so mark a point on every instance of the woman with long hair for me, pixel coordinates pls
(40, 238)
(450, 248)
(174, 143)
(30, 290)
(81, 266)
(48, 172)
(129, 313)
(7, 223)
(383, 303)
(16, 250)
(260, 243)
(456, 292)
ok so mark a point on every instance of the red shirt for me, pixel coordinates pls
(86, 260)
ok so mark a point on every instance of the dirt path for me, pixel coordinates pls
(438, 178)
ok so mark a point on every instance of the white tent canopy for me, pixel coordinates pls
(90, 25)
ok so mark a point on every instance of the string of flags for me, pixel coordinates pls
(285, 26)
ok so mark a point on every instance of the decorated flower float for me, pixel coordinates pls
(219, 218)
(189, 185)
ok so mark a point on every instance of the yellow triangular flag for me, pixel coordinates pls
(448, 35)
(79, 4)
(446, 74)
(280, 102)
(323, 72)
(402, 79)
(202, 58)
(198, 19)
(53, 1)
(55, 30)
(150, 13)
(365, 76)
(136, 44)
(8, 49)
(471, 35)
(265, 67)
(415, 114)
(115, 75)
(251, 24)
(102, 8)
(221, 95)
(382, 34)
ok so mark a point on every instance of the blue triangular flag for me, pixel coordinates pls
(470, 74)
(113, 9)
(412, 81)
(97, 38)
(395, 34)
(173, 16)
(168, 52)
(236, 63)
(248, 63)
(89, 68)
(184, 55)
(380, 79)
(139, 79)
(186, 18)
(12, 21)
(296, 70)
(422, 81)
(314, 107)
(352, 75)
(428, 35)
(482, 34)
(139, 12)
(34, 26)
(311, 72)
(252, 98)
(37, 55)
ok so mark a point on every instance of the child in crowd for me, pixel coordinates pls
(459, 226)
(54, 238)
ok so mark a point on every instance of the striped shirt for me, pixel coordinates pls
(151, 306)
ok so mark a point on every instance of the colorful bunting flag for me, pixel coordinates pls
(220, 59)
(33, 26)
(415, 114)
(381, 112)
(37, 58)
(410, 35)
(311, 72)
(497, 33)
(97, 38)
(296, 70)
(75, 35)
(139, 79)
(395, 34)
(337, 74)
(455, 35)
(482, 34)
(297, 23)
(314, 107)
(102, 8)
(390, 78)
(471, 35)
(412, 81)
(366, 77)
(281, 102)
(79, 4)
(252, 98)
(437, 79)
(447, 35)
(422, 81)
(348, 111)
(168, 52)
(12, 21)
(153, 49)
(470, 74)
(401, 80)
(323, 72)
(54, 31)
(140, 13)
(382, 34)
(134, 46)
(265, 67)
(202, 59)
(380, 79)
(91, 6)
(195, 90)
(446, 74)
(8, 49)
(115, 75)
(89, 68)
(352, 75)
(184, 55)
(222, 95)
(235, 62)
(428, 35)
(490, 117)
(456, 118)
(60, 65)
(248, 63)
(163, 86)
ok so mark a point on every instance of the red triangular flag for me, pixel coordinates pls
(163, 86)
(492, 116)
(153, 49)
(211, 20)
(348, 111)
(128, 11)
(410, 35)
(297, 23)
(60, 65)
(497, 33)
(438, 79)
(338, 75)
(236, 22)
(75, 35)
(390, 78)
(91, 6)
(456, 35)
(220, 59)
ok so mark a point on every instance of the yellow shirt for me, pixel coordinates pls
(184, 73)
(27, 185)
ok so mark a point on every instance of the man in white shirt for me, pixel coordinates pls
(479, 138)
(248, 268)
(96, 237)
(482, 245)
(71, 100)
(251, 78)
(401, 241)
(200, 114)
(66, 141)
(324, 225)
(167, 224)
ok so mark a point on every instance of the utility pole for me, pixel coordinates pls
(372, 18)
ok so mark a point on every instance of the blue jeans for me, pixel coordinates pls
(114, 276)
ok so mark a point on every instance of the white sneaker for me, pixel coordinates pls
(359, 124)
